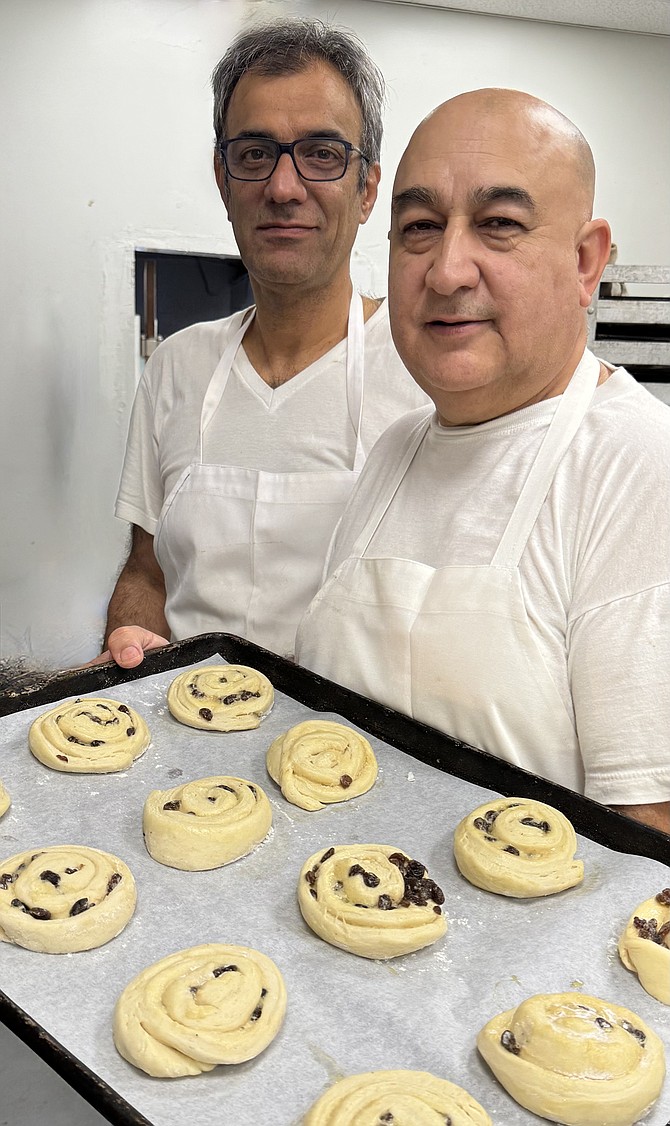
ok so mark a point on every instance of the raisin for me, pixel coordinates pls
(206, 714)
(345, 781)
(39, 912)
(384, 903)
(5, 880)
(223, 970)
(114, 879)
(480, 823)
(50, 877)
(130, 731)
(437, 910)
(210, 798)
(264, 992)
(124, 709)
(256, 1013)
(327, 855)
(172, 805)
(221, 786)
(509, 1043)
(602, 1023)
(543, 825)
(636, 1032)
(491, 814)
(399, 859)
(63, 758)
(416, 868)
(80, 906)
(312, 892)
(438, 894)
(370, 880)
(71, 871)
(356, 870)
(311, 878)
(663, 897)
(386, 1117)
(18, 903)
(512, 850)
(97, 742)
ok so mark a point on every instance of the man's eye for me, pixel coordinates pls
(253, 155)
(498, 223)
(419, 226)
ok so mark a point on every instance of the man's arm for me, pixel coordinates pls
(138, 598)
(656, 815)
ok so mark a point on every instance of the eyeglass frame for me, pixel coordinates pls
(283, 147)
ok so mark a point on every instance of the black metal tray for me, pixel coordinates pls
(424, 743)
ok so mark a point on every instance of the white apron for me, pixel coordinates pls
(243, 550)
(452, 646)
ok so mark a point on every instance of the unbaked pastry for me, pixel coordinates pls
(89, 736)
(370, 899)
(575, 1060)
(221, 697)
(205, 823)
(644, 946)
(405, 1098)
(319, 762)
(517, 847)
(5, 800)
(65, 898)
(198, 1008)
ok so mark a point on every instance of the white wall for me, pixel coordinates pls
(106, 146)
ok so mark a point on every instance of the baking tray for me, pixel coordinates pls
(423, 743)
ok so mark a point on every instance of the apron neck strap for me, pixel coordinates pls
(568, 417)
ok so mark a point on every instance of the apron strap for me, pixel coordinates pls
(392, 483)
(217, 383)
(568, 417)
(356, 373)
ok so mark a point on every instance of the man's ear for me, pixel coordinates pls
(369, 193)
(221, 180)
(593, 250)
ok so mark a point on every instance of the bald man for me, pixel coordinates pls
(502, 571)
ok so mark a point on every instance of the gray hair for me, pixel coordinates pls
(288, 47)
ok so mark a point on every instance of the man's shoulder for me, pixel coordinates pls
(627, 416)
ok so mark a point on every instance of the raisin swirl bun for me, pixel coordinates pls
(89, 736)
(200, 1007)
(371, 900)
(205, 823)
(405, 1098)
(5, 800)
(517, 847)
(221, 697)
(644, 946)
(64, 899)
(575, 1059)
(320, 762)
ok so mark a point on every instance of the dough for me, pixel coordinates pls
(64, 899)
(319, 762)
(644, 946)
(89, 736)
(575, 1059)
(198, 1008)
(221, 697)
(517, 847)
(5, 800)
(405, 1098)
(205, 823)
(372, 900)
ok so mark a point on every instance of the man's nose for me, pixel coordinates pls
(285, 185)
(455, 265)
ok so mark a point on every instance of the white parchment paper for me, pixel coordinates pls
(345, 1014)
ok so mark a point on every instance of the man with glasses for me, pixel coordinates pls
(248, 434)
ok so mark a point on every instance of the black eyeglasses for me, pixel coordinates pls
(314, 158)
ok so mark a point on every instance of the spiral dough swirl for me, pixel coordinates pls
(517, 847)
(575, 1059)
(644, 946)
(89, 736)
(200, 1007)
(319, 762)
(404, 1098)
(371, 900)
(221, 697)
(205, 823)
(64, 899)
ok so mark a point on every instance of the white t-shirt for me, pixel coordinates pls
(595, 573)
(303, 424)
